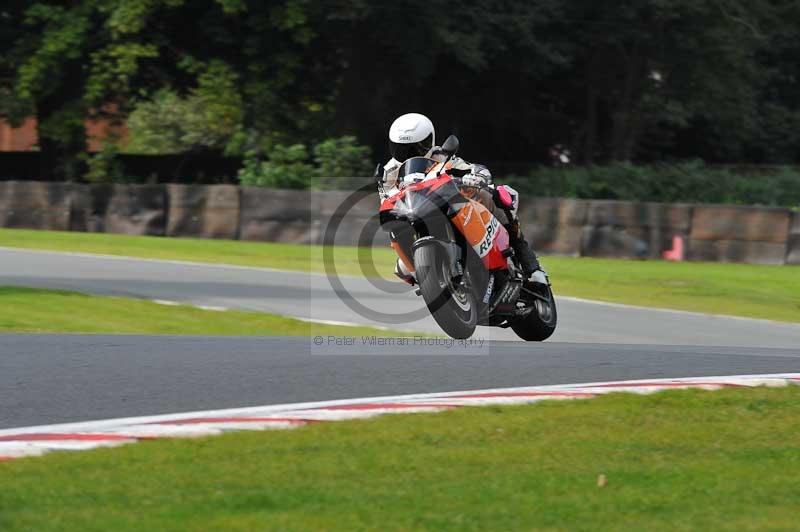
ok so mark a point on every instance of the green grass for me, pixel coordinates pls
(240, 253)
(678, 460)
(53, 311)
(753, 291)
(769, 292)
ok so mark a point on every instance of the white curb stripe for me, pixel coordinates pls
(213, 308)
(166, 302)
(345, 324)
(34, 441)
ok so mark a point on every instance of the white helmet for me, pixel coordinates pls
(411, 135)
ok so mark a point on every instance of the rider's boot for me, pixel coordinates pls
(522, 249)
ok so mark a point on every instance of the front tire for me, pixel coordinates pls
(452, 306)
(541, 322)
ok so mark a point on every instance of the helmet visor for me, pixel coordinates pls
(401, 152)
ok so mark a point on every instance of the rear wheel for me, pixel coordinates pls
(452, 305)
(541, 322)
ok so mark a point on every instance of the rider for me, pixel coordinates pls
(413, 135)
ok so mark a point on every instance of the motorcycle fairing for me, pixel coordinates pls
(483, 231)
(419, 199)
(409, 264)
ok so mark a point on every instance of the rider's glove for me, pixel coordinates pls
(472, 180)
(480, 172)
(478, 176)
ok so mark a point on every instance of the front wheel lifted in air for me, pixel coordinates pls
(451, 304)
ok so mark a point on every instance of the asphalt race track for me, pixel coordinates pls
(309, 295)
(48, 379)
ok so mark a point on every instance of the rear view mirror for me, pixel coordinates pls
(450, 146)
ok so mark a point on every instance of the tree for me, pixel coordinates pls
(72, 60)
(207, 118)
(777, 139)
(641, 69)
(11, 31)
(614, 81)
(473, 67)
(51, 77)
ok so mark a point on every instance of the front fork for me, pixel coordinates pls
(405, 240)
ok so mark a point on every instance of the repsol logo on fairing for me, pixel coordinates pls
(486, 244)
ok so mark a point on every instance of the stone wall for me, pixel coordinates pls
(37, 205)
(596, 228)
(203, 211)
(739, 234)
(793, 245)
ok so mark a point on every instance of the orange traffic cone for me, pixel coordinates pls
(676, 253)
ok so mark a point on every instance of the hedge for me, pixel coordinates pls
(684, 182)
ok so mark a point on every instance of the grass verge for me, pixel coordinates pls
(677, 460)
(768, 292)
(54, 311)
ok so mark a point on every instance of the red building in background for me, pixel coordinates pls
(25, 137)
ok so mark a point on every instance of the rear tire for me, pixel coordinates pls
(541, 323)
(453, 307)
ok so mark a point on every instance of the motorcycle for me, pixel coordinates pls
(459, 253)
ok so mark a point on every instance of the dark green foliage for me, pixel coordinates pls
(641, 81)
(337, 164)
(103, 167)
(689, 182)
(287, 167)
(206, 118)
(340, 161)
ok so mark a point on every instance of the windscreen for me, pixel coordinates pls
(416, 165)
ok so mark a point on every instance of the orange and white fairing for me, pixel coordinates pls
(484, 233)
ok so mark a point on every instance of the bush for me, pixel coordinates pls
(206, 118)
(103, 166)
(684, 182)
(287, 167)
(340, 160)
(335, 165)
